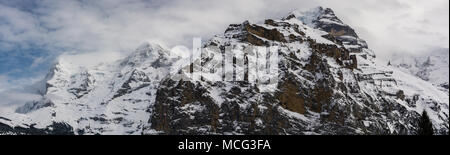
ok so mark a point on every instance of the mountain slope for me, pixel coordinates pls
(329, 82)
(432, 66)
(107, 99)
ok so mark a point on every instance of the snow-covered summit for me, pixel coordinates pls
(325, 19)
(107, 98)
(312, 16)
(145, 53)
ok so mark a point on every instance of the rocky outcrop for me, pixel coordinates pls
(54, 129)
(320, 91)
(255, 34)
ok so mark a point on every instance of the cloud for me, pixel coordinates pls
(3, 83)
(15, 92)
(37, 62)
(121, 25)
(16, 98)
(111, 28)
(90, 26)
(393, 26)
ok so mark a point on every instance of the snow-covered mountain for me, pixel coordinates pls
(432, 66)
(329, 83)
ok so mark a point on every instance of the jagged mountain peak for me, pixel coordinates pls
(312, 16)
(149, 52)
(318, 24)
(327, 20)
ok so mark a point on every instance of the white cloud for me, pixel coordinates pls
(3, 83)
(37, 62)
(89, 26)
(15, 98)
(390, 26)
(120, 25)
(12, 91)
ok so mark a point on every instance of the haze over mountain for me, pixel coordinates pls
(431, 66)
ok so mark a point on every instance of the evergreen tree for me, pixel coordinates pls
(425, 125)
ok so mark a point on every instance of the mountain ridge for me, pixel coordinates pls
(431, 66)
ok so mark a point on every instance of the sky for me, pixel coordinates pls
(33, 33)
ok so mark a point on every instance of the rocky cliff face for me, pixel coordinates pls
(329, 83)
